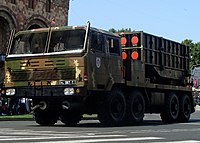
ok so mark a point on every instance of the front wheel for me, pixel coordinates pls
(45, 118)
(70, 118)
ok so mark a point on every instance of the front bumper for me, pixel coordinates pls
(45, 91)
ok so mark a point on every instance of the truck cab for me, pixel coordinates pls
(63, 69)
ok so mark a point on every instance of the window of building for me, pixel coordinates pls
(31, 4)
(13, 1)
(48, 5)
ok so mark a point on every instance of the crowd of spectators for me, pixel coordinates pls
(14, 106)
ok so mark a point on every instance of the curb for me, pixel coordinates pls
(31, 119)
(16, 119)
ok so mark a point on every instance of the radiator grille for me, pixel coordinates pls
(39, 75)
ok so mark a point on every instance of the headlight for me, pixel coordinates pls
(68, 91)
(10, 92)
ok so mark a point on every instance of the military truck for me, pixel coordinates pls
(196, 84)
(70, 71)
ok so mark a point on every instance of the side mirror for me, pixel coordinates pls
(2, 60)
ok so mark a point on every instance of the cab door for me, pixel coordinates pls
(115, 63)
(98, 68)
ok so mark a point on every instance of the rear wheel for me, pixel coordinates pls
(135, 107)
(171, 109)
(185, 109)
(112, 109)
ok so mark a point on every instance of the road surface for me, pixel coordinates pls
(90, 131)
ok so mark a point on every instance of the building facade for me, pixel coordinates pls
(30, 14)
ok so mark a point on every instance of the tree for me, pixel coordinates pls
(194, 52)
(120, 30)
(112, 30)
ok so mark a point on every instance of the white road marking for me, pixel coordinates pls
(166, 130)
(105, 140)
(34, 136)
(185, 141)
(192, 123)
(18, 138)
(69, 137)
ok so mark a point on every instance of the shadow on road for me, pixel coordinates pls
(96, 124)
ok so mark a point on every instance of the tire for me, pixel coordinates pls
(171, 109)
(185, 109)
(135, 108)
(45, 118)
(70, 118)
(112, 110)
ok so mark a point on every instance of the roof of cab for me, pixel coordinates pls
(66, 28)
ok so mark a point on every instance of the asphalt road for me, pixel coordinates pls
(90, 131)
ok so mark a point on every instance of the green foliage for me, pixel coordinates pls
(25, 116)
(120, 30)
(194, 52)
(112, 30)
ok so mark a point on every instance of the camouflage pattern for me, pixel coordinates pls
(97, 65)
(80, 68)
(49, 71)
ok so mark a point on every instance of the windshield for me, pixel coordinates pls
(29, 43)
(66, 40)
(35, 42)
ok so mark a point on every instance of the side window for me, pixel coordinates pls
(114, 46)
(97, 42)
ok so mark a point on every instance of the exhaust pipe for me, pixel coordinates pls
(42, 105)
(65, 105)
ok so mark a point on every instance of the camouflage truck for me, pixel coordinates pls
(71, 71)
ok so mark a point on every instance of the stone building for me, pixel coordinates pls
(29, 14)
